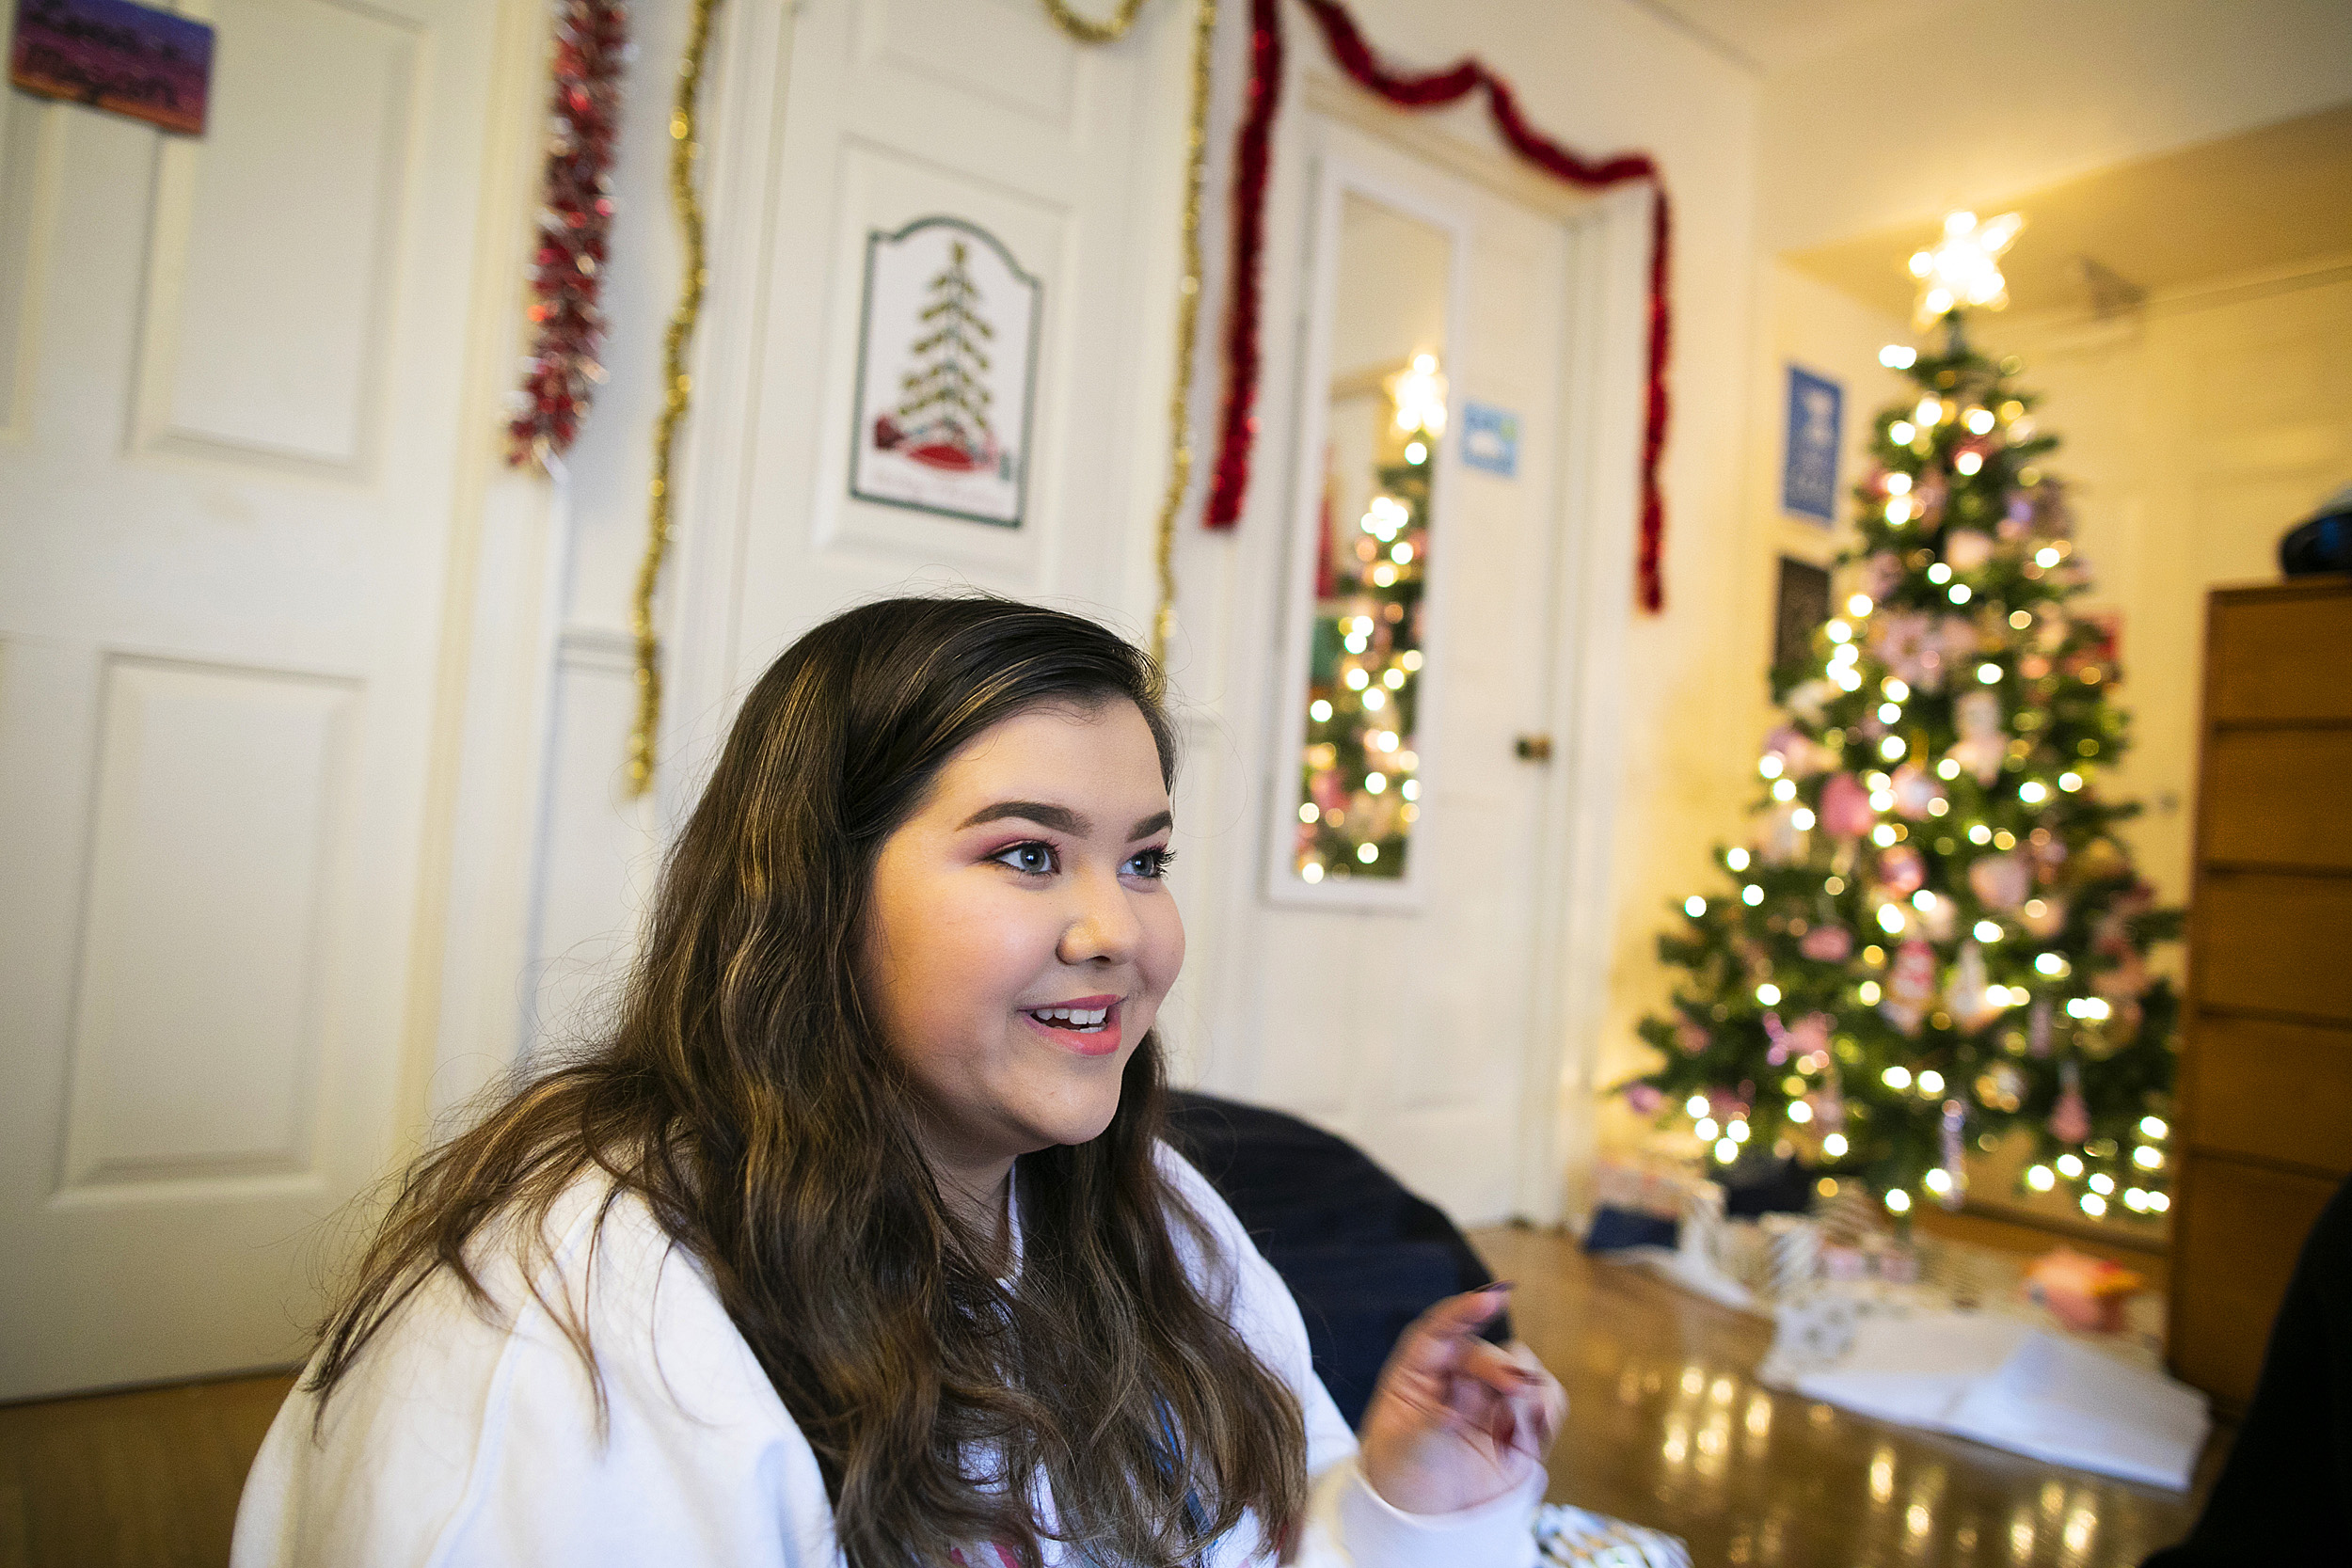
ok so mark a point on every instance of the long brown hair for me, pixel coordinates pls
(746, 1095)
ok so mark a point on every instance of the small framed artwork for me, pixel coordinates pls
(946, 373)
(127, 59)
(1799, 609)
(1816, 424)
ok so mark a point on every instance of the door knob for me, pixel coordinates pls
(1534, 747)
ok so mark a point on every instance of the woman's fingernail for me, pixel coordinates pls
(1498, 1286)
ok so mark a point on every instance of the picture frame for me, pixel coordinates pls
(946, 373)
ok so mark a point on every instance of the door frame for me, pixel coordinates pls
(1604, 364)
(1597, 506)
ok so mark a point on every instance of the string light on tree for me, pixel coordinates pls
(1933, 905)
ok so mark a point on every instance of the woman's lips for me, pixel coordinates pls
(1078, 1033)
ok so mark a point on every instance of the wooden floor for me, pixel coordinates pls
(143, 1480)
(1666, 1427)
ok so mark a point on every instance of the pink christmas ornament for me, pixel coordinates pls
(2070, 1120)
(2127, 979)
(1956, 639)
(1915, 790)
(1644, 1099)
(1902, 870)
(1966, 997)
(2001, 881)
(1910, 986)
(1846, 807)
(1955, 1160)
(1693, 1038)
(1903, 641)
(2037, 1029)
(1777, 1033)
(1938, 918)
(1827, 944)
(1966, 549)
(1983, 738)
(2048, 856)
(1801, 755)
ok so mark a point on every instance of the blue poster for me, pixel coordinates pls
(1490, 440)
(1808, 484)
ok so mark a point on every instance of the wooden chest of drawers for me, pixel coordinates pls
(2265, 1112)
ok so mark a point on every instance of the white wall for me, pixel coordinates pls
(1973, 103)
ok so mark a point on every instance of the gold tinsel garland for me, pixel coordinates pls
(1188, 287)
(685, 146)
(1086, 29)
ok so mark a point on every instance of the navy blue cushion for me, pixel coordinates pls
(1363, 1256)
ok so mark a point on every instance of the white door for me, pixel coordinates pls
(1405, 1012)
(231, 377)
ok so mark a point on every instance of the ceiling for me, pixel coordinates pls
(1773, 35)
(2268, 198)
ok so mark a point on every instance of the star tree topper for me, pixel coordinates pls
(1964, 271)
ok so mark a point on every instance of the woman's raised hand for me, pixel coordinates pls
(1457, 1421)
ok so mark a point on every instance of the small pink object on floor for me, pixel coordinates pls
(2085, 1292)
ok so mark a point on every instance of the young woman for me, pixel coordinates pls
(855, 1241)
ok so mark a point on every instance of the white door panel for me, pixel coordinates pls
(974, 109)
(227, 491)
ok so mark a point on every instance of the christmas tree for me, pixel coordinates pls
(942, 416)
(1934, 938)
(1359, 781)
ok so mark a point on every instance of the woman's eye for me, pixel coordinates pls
(1151, 862)
(1035, 860)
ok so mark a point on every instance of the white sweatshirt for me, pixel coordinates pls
(461, 1438)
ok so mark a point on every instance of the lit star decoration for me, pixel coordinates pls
(1964, 271)
(575, 217)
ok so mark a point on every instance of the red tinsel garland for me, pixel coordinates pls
(576, 215)
(1238, 427)
(1237, 421)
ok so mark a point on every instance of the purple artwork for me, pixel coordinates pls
(135, 60)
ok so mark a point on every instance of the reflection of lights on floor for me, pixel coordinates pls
(2080, 1525)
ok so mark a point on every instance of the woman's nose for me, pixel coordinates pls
(1103, 926)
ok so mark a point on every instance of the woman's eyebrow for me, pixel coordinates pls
(1060, 819)
(1152, 824)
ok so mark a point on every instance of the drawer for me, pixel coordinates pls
(2279, 797)
(2279, 654)
(2278, 1091)
(2273, 942)
(2236, 1235)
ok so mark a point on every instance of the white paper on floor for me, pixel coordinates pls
(1997, 1378)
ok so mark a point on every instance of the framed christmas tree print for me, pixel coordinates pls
(946, 368)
